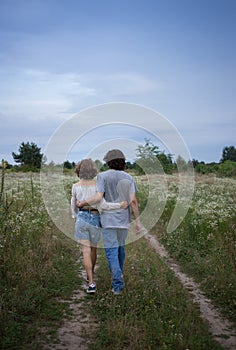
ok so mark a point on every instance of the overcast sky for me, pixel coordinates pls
(177, 57)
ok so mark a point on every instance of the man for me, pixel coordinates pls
(116, 185)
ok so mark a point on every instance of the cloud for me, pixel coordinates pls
(34, 103)
(41, 94)
(130, 84)
(121, 84)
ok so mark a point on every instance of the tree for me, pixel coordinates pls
(181, 163)
(68, 165)
(99, 164)
(29, 156)
(227, 169)
(152, 160)
(195, 162)
(229, 153)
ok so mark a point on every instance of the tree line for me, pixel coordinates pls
(149, 159)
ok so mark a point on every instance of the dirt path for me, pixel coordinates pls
(222, 330)
(72, 334)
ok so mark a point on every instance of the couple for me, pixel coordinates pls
(104, 203)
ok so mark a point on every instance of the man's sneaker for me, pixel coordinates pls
(116, 292)
(91, 288)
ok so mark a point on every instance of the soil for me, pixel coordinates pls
(222, 330)
(77, 331)
(72, 334)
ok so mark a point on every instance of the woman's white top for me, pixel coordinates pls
(82, 193)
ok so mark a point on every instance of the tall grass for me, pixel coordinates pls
(36, 263)
(154, 311)
(205, 242)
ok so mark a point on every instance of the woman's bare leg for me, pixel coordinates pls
(87, 259)
(93, 256)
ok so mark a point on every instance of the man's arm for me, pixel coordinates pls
(90, 201)
(134, 205)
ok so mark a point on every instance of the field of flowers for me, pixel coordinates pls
(37, 260)
(205, 241)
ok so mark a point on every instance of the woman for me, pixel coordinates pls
(87, 219)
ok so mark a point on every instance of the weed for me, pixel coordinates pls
(154, 312)
(37, 264)
(205, 242)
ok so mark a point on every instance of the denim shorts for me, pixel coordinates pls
(88, 227)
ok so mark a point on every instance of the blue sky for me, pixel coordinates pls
(177, 57)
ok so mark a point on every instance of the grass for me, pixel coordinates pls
(28, 295)
(204, 244)
(211, 263)
(37, 266)
(30, 290)
(154, 312)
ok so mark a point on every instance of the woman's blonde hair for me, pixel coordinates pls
(86, 169)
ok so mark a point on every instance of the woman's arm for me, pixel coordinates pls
(98, 199)
(112, 206)
(74, 208)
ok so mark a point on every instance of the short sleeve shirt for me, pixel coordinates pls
(117, 186)
(82, 193)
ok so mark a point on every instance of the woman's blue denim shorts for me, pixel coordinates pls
(88, 227)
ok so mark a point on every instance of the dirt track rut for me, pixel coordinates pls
(71, 334)
(222, 330)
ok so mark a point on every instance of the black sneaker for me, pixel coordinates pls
(91, 288)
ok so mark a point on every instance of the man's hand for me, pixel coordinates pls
(79, 204)
(124, 205)
(137, 226)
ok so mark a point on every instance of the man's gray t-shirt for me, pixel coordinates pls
(117, 186)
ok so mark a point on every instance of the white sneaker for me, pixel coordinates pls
(117, 292)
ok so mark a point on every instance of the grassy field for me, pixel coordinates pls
(154, 312)
(204, 244)
(37, 266)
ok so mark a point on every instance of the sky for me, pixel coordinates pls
(60, 57)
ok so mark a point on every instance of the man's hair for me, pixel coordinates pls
(115, 159)
(86, 169)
